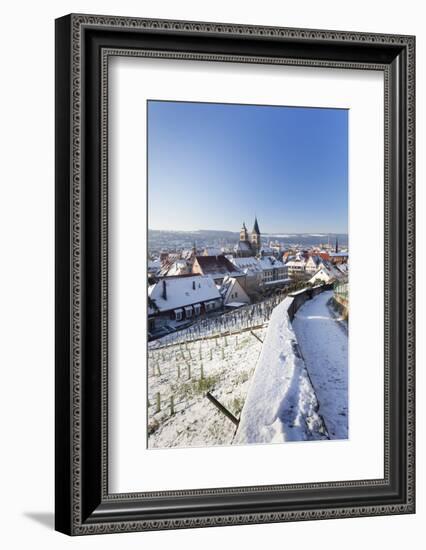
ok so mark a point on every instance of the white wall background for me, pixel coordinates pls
(27, 262)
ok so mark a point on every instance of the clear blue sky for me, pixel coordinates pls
(213, 166)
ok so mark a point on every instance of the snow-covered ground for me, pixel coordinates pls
(217, 354)
(179, 414)
(250, 316)
(323, 341)
(281, 404)
(291, 387)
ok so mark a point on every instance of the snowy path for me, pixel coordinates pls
(281, 404)
(323, 341)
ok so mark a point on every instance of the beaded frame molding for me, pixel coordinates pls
(84, 44)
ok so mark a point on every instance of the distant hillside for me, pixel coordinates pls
(158, 239)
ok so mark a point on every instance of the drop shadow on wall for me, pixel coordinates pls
(47, 519)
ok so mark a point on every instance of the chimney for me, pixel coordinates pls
(164, 290)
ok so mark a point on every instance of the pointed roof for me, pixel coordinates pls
(256, 227)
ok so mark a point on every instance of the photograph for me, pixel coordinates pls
(247, 274)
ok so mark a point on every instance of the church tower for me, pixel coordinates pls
(337, 245)
(255, 237)
(243, 233)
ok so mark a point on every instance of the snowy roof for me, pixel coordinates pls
(187, 253)
(323, 274)
(216, 265)
(295, 262)
(268, 262)
(154, 265)
(258, 264)
(296, 259)
(315, 258)
(242, 246)
(179, 267)
(243, 263)
(182, 291)
(229, 285)
(344, 268)
(333, 270)
(165, 266)
(173, 256)
(212, 251)
(327, 272)
(225, 286)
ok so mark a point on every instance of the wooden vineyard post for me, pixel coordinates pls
(222, 408)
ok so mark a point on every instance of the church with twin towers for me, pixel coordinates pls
(249, 243)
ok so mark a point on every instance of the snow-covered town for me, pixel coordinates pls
(247, 274)
(247, 339)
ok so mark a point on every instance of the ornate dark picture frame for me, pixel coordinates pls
(84, 44)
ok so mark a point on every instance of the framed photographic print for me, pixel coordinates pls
(234, 274)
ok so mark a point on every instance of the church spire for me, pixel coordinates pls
(256, 226)
(337, 245)
(255, 237)
(243, 233)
